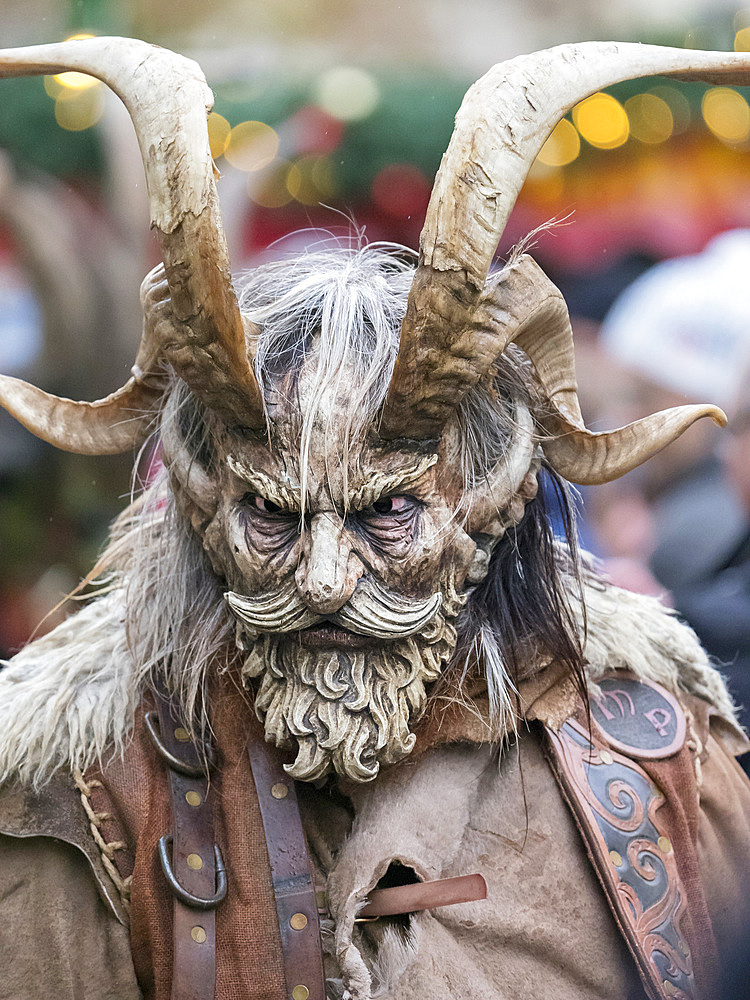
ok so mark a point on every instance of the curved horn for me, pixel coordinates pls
(589, 458)
(108, 426)
(540, 326)
(503, 122)
(522, 306)
(167, 98)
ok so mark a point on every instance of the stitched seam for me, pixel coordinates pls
(106, 849)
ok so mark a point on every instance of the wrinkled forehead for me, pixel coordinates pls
(309, 458)
(278, 475)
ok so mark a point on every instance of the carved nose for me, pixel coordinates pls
(329, 570)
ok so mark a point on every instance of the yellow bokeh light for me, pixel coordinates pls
(678, 104)
(269, 187)
(347, 93)
(310, 179)
(650, 118)
(52, 87)
(727, 114)
(73, 80)
(79, 110)
(76, 81)
(251, 146)
(602, 121)
(562, 147)
(742, 40)
(218, 134)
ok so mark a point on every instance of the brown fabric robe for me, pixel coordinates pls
(456, 806)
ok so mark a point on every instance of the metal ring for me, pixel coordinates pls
(194, 902)
(182, 766)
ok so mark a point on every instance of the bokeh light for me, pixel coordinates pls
(311, 179)
(218, 134)
(742, 40)
(77, 110)
(650, 117)
(401, 190)
(679, 105)
(727, 114)
(347, 92)
(602, 121)
(251, 146)
(562, 147)
(269, 187)
(73, 80)
(313, 130)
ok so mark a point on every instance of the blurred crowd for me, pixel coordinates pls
(679, 526)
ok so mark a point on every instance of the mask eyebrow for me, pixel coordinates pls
(382, 483)
(286, 497)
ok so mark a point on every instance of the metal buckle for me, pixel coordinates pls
(195, 902)
(182, 766)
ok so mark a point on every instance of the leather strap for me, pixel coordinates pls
(423, 896)
(193, 861)
(293, 885)
(617, 808)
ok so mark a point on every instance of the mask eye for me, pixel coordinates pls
(256, 502)
(392, 505)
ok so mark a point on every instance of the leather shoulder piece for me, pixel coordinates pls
(55, 811)
(638, 717)
(618, 808)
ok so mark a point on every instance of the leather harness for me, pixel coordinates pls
(194, 868)
(293, 885)
(190, 859)
(639, 721)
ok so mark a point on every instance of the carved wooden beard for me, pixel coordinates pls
(347, 710)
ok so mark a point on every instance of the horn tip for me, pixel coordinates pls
(718, 416)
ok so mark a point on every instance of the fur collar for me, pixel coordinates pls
(68, 699)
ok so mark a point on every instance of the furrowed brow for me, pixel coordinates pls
(284, 496)
(384, 483)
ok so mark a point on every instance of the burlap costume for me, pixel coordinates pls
(457, 805)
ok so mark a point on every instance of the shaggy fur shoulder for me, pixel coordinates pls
(68, 699)
(628, 631)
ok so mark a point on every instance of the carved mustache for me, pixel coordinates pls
(371, 610)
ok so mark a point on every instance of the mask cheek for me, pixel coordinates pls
(444, 547)
(216, 548)
(248, 561)
(225, 545)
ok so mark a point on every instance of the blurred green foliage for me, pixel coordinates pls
(30, 134)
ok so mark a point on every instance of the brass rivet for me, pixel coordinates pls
(298, 921)
(182, 735)
(193, 799)
(615, 858)
(664, 844)
(195, 861)
(605, 756)
(300, 993)
(279, 790)
(198, 935)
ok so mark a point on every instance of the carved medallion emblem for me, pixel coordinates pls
(638, 717)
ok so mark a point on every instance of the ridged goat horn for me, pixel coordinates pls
(522, 306)
(168, 99)
(505, 119)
